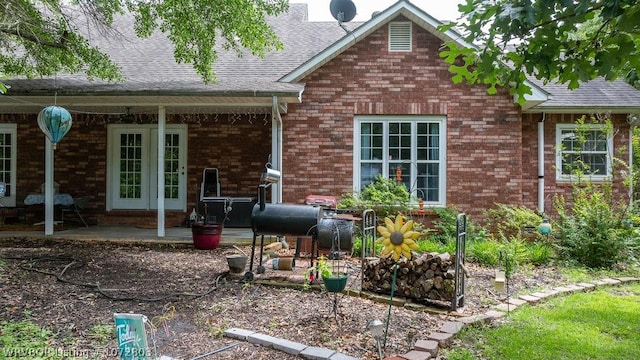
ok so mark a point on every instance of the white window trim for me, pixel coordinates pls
(560, 177)
(410, 38)
(12, 129)
(442, 166)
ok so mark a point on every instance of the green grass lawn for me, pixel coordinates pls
(602, 324)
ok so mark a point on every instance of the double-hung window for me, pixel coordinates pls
(8, 152)
(409, 148)
(583, 150)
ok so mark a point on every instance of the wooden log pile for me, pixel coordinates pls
(428, 276)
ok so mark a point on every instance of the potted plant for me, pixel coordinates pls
(333, 282)
(207, 232)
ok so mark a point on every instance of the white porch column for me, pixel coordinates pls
(48, 187)
(161, 129)
(276, 149)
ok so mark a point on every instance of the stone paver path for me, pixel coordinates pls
(424, 349)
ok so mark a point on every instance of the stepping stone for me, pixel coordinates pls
(416, 355)
(444, 339)
(586, 285)
(493, 314)
(627, 279)
(237, 333)
(290, 347)
(576, 287)
(562, 289)
(541, 295)
(530, 298)
(611, 281)
(451, 327)
(317, 353)
(340, 356)
(516, 302)
(429, 346)
(505, 307)
(474, 319)
(262, 339)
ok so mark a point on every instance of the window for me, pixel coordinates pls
(585, 149)
(400, 36)
(8, 163)
(414, 145)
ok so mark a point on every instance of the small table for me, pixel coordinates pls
(58, 199)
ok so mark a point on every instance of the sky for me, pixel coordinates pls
(439, 9)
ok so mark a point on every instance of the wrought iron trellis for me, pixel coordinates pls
(461, 244)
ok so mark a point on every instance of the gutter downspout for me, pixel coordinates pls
(276, 150)
(631, 169)
(541, 164)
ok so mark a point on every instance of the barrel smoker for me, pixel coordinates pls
(288, 220)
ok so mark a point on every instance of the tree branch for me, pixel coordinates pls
(59, 44)
(564, 17)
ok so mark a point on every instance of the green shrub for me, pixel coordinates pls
(386, 196)
(590, 232)
(486, 253)
(446, 230)
(507, 221)
(540, 253)
(430, 245)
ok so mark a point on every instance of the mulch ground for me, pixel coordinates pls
(75, 287)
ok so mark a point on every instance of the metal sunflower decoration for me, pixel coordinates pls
(398, 238)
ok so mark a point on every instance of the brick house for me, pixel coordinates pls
(330, 111)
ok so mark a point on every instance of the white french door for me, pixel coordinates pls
(133, 167)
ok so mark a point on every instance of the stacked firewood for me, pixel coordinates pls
(428, 276)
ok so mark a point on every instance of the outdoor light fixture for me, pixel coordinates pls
(545, 227)
(376, 328)
(55, 122)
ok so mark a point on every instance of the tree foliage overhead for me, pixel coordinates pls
(552, 40)
(44, 37)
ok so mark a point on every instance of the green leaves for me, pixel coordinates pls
(45, 41)
(566, 41)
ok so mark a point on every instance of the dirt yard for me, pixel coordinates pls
(73, 288)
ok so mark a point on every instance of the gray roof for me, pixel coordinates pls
(149, 66)
(151, 70)
(597, 94)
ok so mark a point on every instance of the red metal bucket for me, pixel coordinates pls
(206, 236)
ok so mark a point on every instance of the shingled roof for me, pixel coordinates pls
(151, 70)
(598, 94)
(148, 64)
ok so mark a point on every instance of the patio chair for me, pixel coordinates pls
(79, 205)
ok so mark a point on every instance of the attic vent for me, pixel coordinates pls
(400, 36)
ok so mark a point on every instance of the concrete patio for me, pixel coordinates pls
(175, 235)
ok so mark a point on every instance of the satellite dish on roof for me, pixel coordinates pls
(342, 10)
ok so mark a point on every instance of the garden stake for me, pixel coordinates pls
(393, 285)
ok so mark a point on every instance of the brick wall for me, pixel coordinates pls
(483, 132)
(238, 145)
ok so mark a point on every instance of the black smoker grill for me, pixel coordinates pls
(297, 220)
(280, 220)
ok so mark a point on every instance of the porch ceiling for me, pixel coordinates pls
(136, 104)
